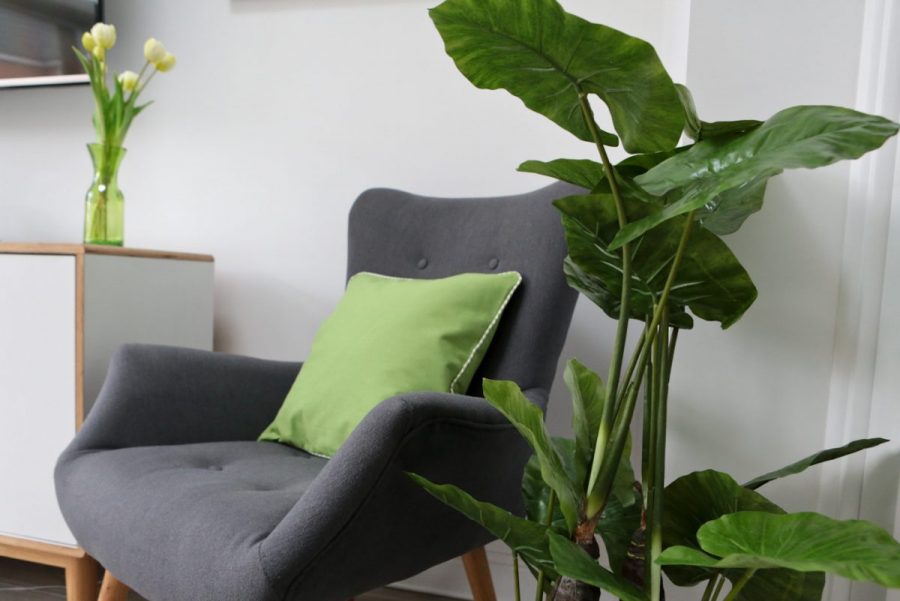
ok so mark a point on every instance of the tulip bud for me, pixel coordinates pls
(88, 41)
(129, 80)
(99, 51)
(167, 62)
(154, 51)
(104, 35)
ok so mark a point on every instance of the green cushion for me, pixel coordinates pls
(388, 336)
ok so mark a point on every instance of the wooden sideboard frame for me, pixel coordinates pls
(82, 582)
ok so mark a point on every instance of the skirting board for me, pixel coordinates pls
(449, 579)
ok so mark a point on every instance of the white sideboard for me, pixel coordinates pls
(64, 309)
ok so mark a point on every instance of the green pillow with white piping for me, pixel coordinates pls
(386, 337)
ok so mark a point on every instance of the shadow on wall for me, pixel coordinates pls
(274, 6)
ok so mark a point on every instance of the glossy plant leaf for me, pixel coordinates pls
(588, 398)
(798, 137)
(692, 123)
(547, 58)
(536, 493)
(815, 459)
(727, 212)
(580, 172)
(722, 215)
(700, 497)
(616, 528)
(711, 281)
(529, 421)
(570, 560)
(805, 542)
(529, 539)
(719, 129)
(697, 498)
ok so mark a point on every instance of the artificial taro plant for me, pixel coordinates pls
(645, 244)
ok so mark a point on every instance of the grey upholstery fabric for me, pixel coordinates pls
(166, 486)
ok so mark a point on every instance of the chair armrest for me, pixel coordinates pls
(160, 395)
(363, 496)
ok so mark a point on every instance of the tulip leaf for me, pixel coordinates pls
(797, 137)
(700, 497)
(815, 459)
(549, 58)
(528, 419)
(711, 281)
(527, 538)
(570, 560)
(805, 542)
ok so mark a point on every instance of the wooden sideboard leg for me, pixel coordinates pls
(479, 574)
(81, 579)
(113, 589)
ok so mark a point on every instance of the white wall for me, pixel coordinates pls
(281, 111)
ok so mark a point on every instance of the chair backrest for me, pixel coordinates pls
(405, 235)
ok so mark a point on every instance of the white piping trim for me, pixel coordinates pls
(489, 329)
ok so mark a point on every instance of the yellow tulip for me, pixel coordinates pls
(99, 51)
(88, 41)
(167, 62)
(129, 80)
(154, 51)
(104, 35)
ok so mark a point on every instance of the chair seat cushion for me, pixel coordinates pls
(195, 512)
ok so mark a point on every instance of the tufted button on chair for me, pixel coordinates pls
(167, 487)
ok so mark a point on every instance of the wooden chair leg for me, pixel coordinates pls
(81, 579)
(113, 589)
(479, 574)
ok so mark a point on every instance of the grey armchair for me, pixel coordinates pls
(166, 486)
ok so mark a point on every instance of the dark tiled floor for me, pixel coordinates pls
(20, 581)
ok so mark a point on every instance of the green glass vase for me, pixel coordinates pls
(104, 207)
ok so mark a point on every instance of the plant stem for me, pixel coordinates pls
(740, 584)
(615, 366)
(658, 457)
(548, 519)
(597, 500)
(710, 587)
(515, 559)
(719, 587)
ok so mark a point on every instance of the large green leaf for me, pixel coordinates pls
(529, 421)
(700, 497)
(588, 397)
(580, 172)
(617, 526)
(529, 539)
(806, 542)
(798, 137)
(726, 213)
(697, 498)
(711, 281)
(547, 58)
(536, 493)
(815, 459)
(618, 521)
(570, 560)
